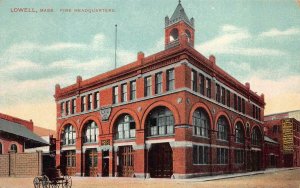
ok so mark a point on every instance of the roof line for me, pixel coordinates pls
(281, 113)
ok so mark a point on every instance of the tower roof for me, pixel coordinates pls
(179, 15)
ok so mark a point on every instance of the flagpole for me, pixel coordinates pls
(116, 31)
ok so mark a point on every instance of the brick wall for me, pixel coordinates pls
(4, 167)
(21, 164)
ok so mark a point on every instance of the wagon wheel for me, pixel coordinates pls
(45, 182)
(54, 185)
(36, 182)
(67, 182)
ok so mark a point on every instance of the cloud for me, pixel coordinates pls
(63, 46)
(25, 48)
(19, 60)
(22, 71)
(240, 66)
(124, 57)
(20, 64)
(231, 40)
(31, 70)
(276, 33)
(158, 46)
(98, 41)
(280, 95)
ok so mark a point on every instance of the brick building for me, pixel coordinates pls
(290, 114)
(17, 134)
(284, 128)
(171, 114)
(271, 153)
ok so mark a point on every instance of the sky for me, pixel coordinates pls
(255, 41)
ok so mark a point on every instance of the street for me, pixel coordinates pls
(278, 179)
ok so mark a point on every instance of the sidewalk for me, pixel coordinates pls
(195, 179)
(227, 176)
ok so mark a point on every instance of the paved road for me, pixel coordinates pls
(277, 179)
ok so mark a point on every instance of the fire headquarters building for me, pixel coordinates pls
(171, 114)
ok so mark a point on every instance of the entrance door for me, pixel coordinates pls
(272, 161)
(91, 162)
(255, 155)
(68, 163)
(160, 161)
(288, 160)
(105, 163)
(125, 166)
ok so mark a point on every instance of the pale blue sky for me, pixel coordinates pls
(256, 41)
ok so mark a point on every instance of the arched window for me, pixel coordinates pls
(223, 128)
(1, 148)
(239, 133)
(14, 148)
(91, 132)
(256, 136)
(160, 121)
(201, 123)
(188, 33)
(125, 127)
(174, 34)
(69, 135)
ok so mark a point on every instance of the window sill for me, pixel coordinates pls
(198, 136)
(201, 164)
(67, 145)
(256, 146)
(157, 136)
(90, 143)
(226, 141)
(124, 140)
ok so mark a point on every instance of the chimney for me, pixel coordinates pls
(57, 88)
(212, 59)
(247, 84)
(140, 57)
(78, 79)
(262, 96)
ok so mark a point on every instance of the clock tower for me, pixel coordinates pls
(178, 26)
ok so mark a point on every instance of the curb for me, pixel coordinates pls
(228, 176)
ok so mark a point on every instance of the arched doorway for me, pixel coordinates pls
(160, 123)
(124, 131)
(90, 137)
(160, 160)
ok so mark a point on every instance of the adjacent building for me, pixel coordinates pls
(16, 137)
(290, 114)
(17, 134)
(284, 128)
(173, 114)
